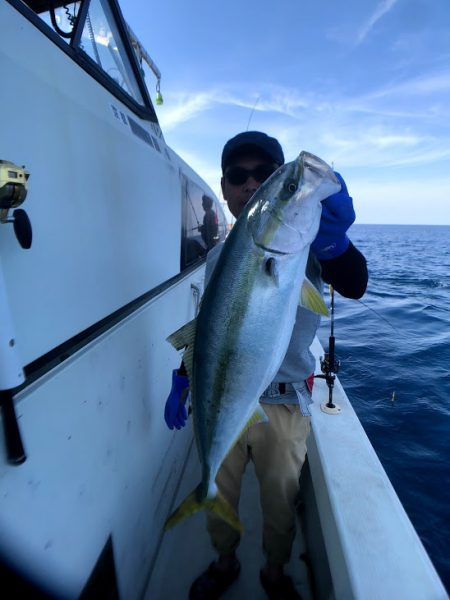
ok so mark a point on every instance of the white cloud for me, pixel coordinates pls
(381, 146)
(390, 106)
(382, 9)
(430, 84)
(351, 133)
(336, 134)
(182, 107)
(348, 142)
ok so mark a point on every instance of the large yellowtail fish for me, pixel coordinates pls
(238, 341)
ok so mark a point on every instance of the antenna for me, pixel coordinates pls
(252, 111)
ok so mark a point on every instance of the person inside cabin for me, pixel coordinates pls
(210, 227)
(278, 447)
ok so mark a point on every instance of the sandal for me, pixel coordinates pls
(211, 584)
(281, 589)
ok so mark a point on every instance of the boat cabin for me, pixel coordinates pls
(101, 259)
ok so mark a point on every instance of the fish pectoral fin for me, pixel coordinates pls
(217, 505)
(271, 269)
(311, 298)
(184, 336)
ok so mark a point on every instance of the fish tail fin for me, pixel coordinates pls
(223, 509)
(191, 505)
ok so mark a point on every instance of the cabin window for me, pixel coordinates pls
(100, 38)
(60, 18)
(101, 41)
(203, 223)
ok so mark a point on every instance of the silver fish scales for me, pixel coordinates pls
(236, 345)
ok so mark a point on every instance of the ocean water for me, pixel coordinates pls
(399, 341)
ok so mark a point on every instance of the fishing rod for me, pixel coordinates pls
(192, 206)
(329, 364)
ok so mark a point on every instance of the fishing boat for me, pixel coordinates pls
(101, 258)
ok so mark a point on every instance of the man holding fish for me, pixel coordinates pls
(247, 360)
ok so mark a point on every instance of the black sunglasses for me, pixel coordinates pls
(239, 175)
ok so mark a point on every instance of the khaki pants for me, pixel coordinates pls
(278, 450)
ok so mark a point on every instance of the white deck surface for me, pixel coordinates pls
(186, 550)
(370, 546)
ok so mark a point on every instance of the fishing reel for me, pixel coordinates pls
(13, 191)
(329, 365)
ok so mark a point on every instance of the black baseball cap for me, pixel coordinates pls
(251, 141)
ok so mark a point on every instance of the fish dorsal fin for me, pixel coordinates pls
(184, 338)
(311, 298)
(188, 360)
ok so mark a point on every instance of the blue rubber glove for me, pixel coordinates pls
(337, 216)
(175, 414)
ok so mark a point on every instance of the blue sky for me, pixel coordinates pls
(364, 84)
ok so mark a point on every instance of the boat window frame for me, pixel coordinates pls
(71, 47)
(191, 192)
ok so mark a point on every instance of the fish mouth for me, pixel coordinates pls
(287, 241)
(272, 250)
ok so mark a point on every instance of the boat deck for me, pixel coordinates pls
(361, 542)
(185, 551)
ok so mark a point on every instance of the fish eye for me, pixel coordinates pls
(291, 186)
